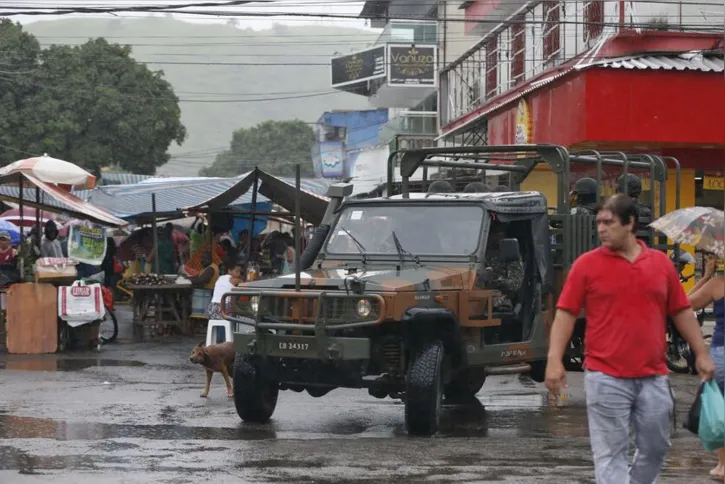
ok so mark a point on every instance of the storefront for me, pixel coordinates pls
(668, 105)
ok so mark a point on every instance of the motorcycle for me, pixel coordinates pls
(107, 322)
(679, 356)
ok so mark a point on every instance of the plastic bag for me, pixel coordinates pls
(692, 422)
(712, 417)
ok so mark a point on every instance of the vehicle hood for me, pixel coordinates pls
(385, 280)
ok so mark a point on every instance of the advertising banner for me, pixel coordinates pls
(87, 245)
(412, 65)
(332, 159)
(358, 67)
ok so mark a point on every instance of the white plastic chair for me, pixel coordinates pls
(211, 333)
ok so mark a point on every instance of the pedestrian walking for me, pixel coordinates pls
(627, 290)
(710, 289)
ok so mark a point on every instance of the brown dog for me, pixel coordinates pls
(215, 358)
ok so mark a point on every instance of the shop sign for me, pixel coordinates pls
(412, 65)
(713, 183)
(358, 67)
(523, 124)
(332, 159)
(87, 245)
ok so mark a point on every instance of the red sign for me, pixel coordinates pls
(80, 291)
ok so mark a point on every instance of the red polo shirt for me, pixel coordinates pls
(626, 306)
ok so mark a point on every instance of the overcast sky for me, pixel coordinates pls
(340, 7)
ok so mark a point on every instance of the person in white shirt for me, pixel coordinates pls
(223, 285)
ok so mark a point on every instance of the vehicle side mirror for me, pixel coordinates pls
(508, 250)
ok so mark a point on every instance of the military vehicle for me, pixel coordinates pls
(410, 295)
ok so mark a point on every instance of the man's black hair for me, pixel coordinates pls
(623, 207)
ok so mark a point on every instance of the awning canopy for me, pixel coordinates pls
(53, 199)
(176, 196)
(280, 190)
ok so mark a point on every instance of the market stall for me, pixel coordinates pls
(44, 183)
(159, 301)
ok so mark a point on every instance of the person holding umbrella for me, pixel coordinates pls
(705, 228)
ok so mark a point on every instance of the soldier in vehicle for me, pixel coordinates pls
(440, 186)
(585, 195)
(476, 187)
(634, 190)
(507, 276)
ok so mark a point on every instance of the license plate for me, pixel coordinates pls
(293, 346)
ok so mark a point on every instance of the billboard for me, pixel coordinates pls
(412, 65)
(358, 67)
(332, 159)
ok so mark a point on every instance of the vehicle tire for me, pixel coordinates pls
(676, 354)
(538, 371)
(575, 362)
(424, 390)
(464, 387)
(317, 392)
(111, 325)
(63, 336)
(255, 398)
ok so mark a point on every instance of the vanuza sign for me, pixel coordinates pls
(413, 65)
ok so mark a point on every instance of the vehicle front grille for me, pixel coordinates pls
(335, 310)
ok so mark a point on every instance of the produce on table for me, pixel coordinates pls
(148, 280)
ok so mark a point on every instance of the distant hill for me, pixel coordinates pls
(263, 89)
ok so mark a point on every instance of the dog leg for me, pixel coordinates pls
(209, 374)
(227, 382)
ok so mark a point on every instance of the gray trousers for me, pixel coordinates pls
(613, 404)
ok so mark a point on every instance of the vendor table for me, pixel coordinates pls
(166, 304)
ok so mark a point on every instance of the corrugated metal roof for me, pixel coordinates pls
(129, 201)
(677, 62)
(122, 178)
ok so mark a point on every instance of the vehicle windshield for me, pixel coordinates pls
(421, 229)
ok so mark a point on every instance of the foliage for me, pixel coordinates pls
(90, 104)
(222, 73)
(275, 146)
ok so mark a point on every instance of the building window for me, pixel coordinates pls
(518, 52)
(593, 20)
(551, 31)
(491, 79)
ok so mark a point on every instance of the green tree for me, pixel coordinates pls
(274, 146)
(92, 105)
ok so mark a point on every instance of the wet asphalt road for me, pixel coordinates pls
(132, 414)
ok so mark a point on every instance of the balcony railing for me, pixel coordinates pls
(410, 123)
(553, 32)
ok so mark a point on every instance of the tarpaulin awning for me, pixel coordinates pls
(276, 189)
(54, 199)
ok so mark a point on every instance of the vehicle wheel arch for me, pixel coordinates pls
(423, 325)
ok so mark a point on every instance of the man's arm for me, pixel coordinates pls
(560, 335)
(689, 329)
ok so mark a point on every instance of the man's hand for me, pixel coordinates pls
(705, 366)
(555, 377)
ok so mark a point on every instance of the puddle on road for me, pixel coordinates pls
(63, 364)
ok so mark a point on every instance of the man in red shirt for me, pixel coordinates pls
(627, 290)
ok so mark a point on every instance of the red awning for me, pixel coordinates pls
(60, 201)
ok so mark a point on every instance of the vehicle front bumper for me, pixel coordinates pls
(302, 313)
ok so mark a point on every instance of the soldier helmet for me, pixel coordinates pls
(440, 186)
(634, 185)
(475, 187)
(586, 186)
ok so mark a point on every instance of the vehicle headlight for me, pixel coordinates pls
(364, 308)
(254, 304)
